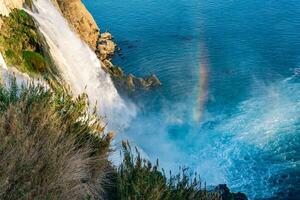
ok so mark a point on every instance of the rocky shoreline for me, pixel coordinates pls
(105, 50)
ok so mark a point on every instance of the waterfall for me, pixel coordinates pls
(80, 67)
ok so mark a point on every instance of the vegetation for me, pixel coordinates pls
(50, 147)
(22, 45)
(34, 61)
(139, 179)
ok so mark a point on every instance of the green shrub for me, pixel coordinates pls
(35, 61)
(22, 45)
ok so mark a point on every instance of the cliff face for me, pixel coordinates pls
(84, 24)
(80, 20)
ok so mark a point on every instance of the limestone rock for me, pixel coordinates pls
(105, 47)
(106, 36)
(152, 81)
(80, 20)
(108, 64)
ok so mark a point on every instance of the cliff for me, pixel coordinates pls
(85, 26)
(83, 23)
(81, 20)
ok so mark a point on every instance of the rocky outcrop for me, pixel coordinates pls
(225, 193)
(105, 47)
(80, 20)
(105, 51)
(25, 49)
(85, 26)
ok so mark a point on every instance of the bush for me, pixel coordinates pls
(35, 61)
(22, 45)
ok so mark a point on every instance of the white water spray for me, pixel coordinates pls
(80, 67)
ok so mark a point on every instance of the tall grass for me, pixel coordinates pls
(50, 147)
(139, 179)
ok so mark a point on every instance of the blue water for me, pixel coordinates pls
(229, 106)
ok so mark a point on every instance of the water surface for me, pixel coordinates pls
(229, 106)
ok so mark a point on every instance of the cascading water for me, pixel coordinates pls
(80, 67)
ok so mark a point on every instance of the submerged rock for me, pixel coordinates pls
(130, 83)
(225, 193)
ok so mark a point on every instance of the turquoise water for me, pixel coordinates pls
(229, 106)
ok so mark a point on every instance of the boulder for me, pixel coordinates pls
(106, 36)
(153, 81)
(130, 81)
(108, 64)
(225, 193)
(105, 49)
